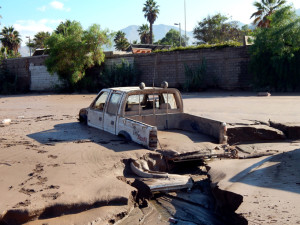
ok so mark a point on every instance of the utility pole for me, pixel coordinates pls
(184, 18)
(29, 45)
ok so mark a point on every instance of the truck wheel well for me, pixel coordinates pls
(125, 134)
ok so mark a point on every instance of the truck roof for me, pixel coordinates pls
(135, 88)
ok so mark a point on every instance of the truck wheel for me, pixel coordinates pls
(125, 135)
(83, 119)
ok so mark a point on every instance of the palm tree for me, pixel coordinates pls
(265, 8)
(151, 13)
(63, 27)
(11, 39)
(121, 42)
(144, 33)
(39, 40)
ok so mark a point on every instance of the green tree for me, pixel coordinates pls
(246, 30)
(144, 33)
(11, 40)
(151, 11)
(39, 40)
(172, 38)
(216, 29)
(121, 42)
(275, 54)
(265, 8)
(74, 50)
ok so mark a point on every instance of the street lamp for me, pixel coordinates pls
(29, 45)
(179, 30)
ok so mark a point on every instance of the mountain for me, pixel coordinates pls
(132, 33)
(158, 30)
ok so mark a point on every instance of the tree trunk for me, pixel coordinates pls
(151, 35)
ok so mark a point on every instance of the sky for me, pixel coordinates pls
(31, 16)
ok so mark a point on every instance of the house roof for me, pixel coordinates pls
(146, 48)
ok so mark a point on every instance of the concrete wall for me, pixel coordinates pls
(41, 80)
(227, 68)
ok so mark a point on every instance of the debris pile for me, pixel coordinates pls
(185, 197)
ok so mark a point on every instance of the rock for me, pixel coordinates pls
(6, 121)
(261, 94)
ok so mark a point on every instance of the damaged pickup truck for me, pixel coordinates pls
(137, 112)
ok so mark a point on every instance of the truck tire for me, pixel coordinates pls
(83, 119)
(125, 134)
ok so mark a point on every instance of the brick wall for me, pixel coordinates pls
(109, 61)
(32, 73)
(227, 68)
(20, 67)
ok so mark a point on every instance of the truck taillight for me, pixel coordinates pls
(153, 139)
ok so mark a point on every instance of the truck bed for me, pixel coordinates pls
(216, 130)
(184, 141)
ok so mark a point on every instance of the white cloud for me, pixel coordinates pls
(57, 5)
(31, 27)
(54, 5)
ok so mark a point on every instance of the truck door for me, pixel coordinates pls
(96, 111)
(111, 113)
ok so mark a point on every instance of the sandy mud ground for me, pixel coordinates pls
(57, 171)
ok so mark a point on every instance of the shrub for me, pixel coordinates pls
(203, 46)
(8, 83)
(195, 77)
(118, 75)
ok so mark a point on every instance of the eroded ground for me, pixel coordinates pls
(52, 166)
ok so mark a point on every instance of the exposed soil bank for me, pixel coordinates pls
(253, 133)
(269, 186)
(291, 130)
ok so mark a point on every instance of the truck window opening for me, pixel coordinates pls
(100, 101)
(150, 101)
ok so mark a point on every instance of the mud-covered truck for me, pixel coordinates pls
(138, 112)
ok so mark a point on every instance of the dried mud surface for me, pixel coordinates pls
(57, 171)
